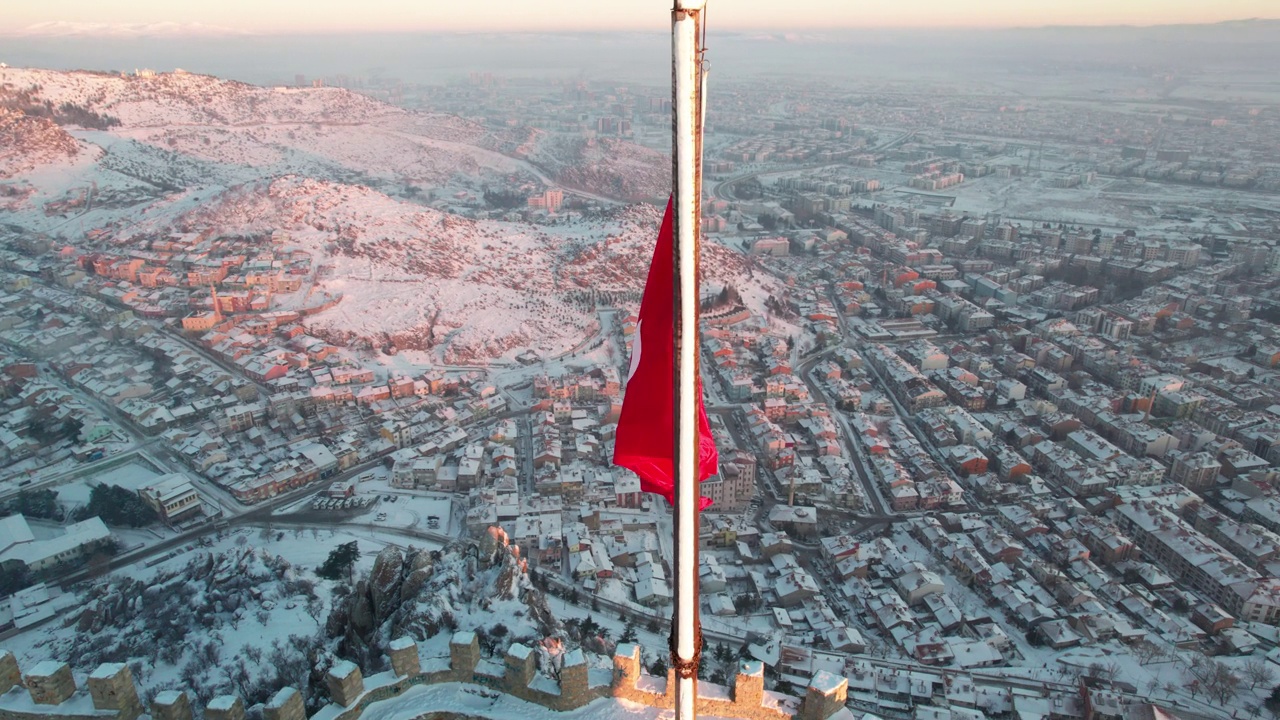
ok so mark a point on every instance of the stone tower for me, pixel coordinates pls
(10, 675)
(574, 680)
(345, 682)
(404, 657)
(50, 683)
(748, 686)
(826, 694)
(520, 667)
(111, 688)
(285, 705)
(171, 705)
(464, 654)
(224, 707)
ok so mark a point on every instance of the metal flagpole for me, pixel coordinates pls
(686, 108)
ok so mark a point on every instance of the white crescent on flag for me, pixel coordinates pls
(635, 353)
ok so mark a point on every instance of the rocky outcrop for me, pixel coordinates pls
(386, 579)
(421, 593)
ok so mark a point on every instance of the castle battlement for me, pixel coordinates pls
(48, 690)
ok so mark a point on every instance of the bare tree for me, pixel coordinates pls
(1222, 684)
(1257, 672)
(1146, 651)
(1201, 669)
(239, 679)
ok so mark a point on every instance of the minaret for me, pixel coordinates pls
(217, 309)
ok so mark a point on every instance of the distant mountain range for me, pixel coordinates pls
(166, 29)
(62, 28)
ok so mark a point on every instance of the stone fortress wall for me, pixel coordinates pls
(47, 691)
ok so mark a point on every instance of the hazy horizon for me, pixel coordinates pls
(642, 56)
(324, 16)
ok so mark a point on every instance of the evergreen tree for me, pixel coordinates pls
(1273, 700)
(37, 504)
(15, 579)
(340, 561)
(117, 506)
(723, 654)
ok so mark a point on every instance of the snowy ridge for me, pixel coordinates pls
(409, 607)
(181, 98)
(247, 608)
(273, 131)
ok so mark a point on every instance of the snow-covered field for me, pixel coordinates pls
(1112, 203)
(409, 510)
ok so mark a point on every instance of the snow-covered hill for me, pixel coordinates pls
(29, 142)
(415, 278)
(338, 175)
(246, 132)
(421, 594)
(181, 98)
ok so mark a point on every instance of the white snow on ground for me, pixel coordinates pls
(274, 618)
(129, 476)
(408, 509)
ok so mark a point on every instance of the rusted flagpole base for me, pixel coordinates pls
(686, 668)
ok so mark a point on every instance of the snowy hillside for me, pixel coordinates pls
(249, 617)
(247, 131)
(608, 166)
(341, 177)
(419, 279)
(179, 98)
(182, 624)
(30, 142)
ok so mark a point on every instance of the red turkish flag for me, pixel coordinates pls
(646, 430)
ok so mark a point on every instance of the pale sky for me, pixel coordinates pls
(300, 16)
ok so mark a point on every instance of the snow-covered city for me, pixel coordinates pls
(311, 381)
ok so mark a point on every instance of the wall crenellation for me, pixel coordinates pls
(171, 705)
(110, 693)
